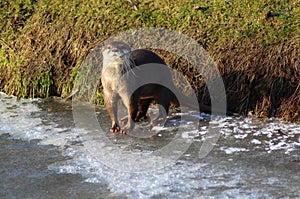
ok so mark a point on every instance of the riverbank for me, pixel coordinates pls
(255, 46)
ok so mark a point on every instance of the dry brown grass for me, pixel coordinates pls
(43, 44)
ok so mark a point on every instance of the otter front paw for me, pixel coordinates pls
(115, 128)
(127, 129)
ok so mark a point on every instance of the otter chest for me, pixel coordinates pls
(111, 76)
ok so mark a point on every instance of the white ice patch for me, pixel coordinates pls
(158, 128)
(17, 118)
(190, 134)
(20, 119)
(240, 136)
(255, 141)
(144, 184)
(231, 150)
(274, 134)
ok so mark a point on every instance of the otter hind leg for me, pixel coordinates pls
(142, 111)
(143, 108)
(163, 102)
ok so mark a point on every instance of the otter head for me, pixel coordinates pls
(116, 53)
(116, 49)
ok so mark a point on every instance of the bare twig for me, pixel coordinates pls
(132, 4)
(72, 94)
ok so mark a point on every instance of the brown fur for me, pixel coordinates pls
(137, 104)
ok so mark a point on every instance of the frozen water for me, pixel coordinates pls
(249, 159)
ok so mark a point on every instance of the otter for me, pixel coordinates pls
(118, 60)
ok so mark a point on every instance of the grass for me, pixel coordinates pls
(255, 44)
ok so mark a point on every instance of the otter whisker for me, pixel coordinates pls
(127, 66)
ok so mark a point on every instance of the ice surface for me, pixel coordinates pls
(23, 119)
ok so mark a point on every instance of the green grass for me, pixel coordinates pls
(43, 43)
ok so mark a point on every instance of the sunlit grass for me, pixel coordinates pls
(43, 43)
